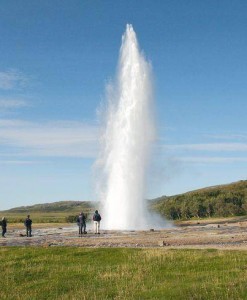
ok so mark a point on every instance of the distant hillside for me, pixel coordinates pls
(56, 212)
(221, 201)
(55, 207)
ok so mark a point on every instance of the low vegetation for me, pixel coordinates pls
(56, 212)
(218, 201)
(60, 206)
(79, 273)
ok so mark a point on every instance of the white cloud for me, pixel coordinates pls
(12, 79)
(12, 103)
(230, 136)
(5, 123)
(208, 147)
(20, 162)
(206, 160)
(62, 138)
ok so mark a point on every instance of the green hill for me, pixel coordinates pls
(56, 212)
(60, 206)
(216, 201)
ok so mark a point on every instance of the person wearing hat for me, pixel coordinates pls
(4, 226)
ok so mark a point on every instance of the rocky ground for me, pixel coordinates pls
(207, 234)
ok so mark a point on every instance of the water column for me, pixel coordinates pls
(127, 139)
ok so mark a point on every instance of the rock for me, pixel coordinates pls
(163, 244)
(55, 244)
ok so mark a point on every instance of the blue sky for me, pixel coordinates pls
(56, 59)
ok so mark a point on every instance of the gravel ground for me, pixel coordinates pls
(221, 235)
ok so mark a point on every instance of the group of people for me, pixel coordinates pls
(81, 222)
(27, 223)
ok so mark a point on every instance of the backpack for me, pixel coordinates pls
(97, 217)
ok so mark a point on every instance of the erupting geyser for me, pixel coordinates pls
(127, 139)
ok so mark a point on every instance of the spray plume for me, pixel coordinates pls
(127, 139)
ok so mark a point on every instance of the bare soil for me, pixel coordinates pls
(215, 233)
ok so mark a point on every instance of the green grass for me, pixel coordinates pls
(44, 217)
(57, 212)
(79, 273)
(38, 217)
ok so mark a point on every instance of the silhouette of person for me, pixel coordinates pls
(81, 222)
(96, 220)
(4, 226)
(28, 223)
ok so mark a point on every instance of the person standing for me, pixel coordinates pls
(4, 226)
(81, 222)
(28, 224)
(96, 220)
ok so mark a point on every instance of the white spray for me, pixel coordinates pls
(127, 140)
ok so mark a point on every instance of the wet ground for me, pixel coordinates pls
(220, 235)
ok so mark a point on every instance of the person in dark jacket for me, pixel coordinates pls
(81, 222)
(28, 223)
(96, 220)
(4, 226)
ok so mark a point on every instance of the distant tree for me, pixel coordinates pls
(185, 210)
(222, 201)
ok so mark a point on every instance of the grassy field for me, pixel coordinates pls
(62, 217)
(56, 212)
(79, 273)
(45, 217)
(38, 217)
